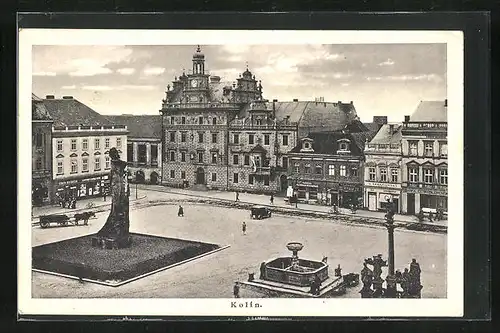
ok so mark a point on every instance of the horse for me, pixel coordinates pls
(85, 216)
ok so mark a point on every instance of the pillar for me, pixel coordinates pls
(148, 154)
(135, 152)
(404, 202)
(417, 202)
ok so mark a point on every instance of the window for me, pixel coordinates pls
(106, 143)
(214, 175)
(235, 177)
(443, 176)
(285, 140)
(200, 137)
(172, 136)
(214, 137)
(250, 179)
(183, 136)
(331, 170)
(183, 156)
(183, 174)
(236, 159)
(97, 143)
(236, 138)
(38, 163)
(343, 171)
(266, 139)
(59, 145)
(107, 162)
(130, 152)
(200, 157)
(74, 165)
(319, 170)
(214, 121)
(97, 163)
(73, 144)
(200, 120)
(60, 167)
(85, 144)
(259, 121)
(354, 172)
(172, 120)
(371, 174)
(343, 146)
(413, 173)
(183, 120)
(246, 160)
(306, 145)
(85, 164)
(383, 174)
(413, 148)
(39, 140)
(251, 139)
(118, 142)
(307, 168)
(214, 158)
(429, 148)
(443, 149)
(172, 173)
(428, 176)
(172, 156)
(296, 169)
(266, 180)
(394, 175)
(284, 162)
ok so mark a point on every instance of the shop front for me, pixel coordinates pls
(434, 202)
(350, 194)
(307, 191)
(82, 188)
(381, 196)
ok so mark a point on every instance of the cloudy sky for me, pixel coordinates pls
(381, 79)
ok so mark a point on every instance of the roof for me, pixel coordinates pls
(316, 116)
(139, 126)
(430, 111)
(258, 149)
(326, 143)
(384, 135)
(38, 109)
(71, 112)
(374, 127)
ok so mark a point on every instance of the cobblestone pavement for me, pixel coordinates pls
(213, 276)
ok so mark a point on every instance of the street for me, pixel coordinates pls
(213, 276)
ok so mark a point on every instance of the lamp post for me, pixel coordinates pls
(391, 280)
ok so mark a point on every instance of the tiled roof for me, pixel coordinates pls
(38, 110)
(71, 112)
(140, 126)
(326, 143)
(384, 135)
(430, 111)
(373, 127)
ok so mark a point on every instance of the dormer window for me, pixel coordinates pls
(343, 146)
(307, 145)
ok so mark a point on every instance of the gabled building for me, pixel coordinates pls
(327, 167)
(41, 152)
(81, 140)
(425, 158)
(382, 186)
(144, 151)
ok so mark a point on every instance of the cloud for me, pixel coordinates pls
(388, 62)
(68, 87)
(44, 74)
(120, 87)
(154, 71)
(98, 88)
(126, 71)
(345, 84)
(420, 77)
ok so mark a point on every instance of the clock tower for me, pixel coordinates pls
(198, 88)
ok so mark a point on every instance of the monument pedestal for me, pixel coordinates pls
(107, 243)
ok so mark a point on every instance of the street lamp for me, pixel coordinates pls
(391, 280)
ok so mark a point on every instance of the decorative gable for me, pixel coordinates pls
(343, 146)
(73, 155)
(97, 153)
(60, 156)
(85, 154)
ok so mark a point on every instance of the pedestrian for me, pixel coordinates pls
(244, 228)
(272, 199)
(237, 196)
(104, 195)
(236, 291)
(180, 212)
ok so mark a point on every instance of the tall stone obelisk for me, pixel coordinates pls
(115, 232)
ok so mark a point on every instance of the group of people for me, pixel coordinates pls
(438, 217)
(66, 201)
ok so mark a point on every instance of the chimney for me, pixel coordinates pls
(352, 103)
(407, 119)
(275, 100)
(340, 102)
(446, 103)
(49, 97)
(67, 97)
(295, 100)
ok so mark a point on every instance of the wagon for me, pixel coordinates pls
(260, 212)
(65, 220)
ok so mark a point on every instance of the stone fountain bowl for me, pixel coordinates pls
(294, 246)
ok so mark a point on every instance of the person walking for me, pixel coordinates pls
(237, 196)
(236, 291)
(180, 212)
(104, 195)
(272, 199)
(244, 228)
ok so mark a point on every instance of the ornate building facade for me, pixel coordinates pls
(425, 158)
(383, 169)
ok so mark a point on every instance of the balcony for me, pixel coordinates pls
(40, 173)
(420, 187)
(425, 126)
(200, 105)
(383, 148)
(264, 171)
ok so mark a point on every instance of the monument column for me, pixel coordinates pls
(148, 154)
(135, 153)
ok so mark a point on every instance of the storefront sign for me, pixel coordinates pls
(426, 191)
(383, 185)
(349, 188)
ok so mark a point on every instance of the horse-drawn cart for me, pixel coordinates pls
(64, 220)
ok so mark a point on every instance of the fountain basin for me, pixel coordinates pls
(302, 274)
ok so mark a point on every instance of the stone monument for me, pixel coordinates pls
(115, 232)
